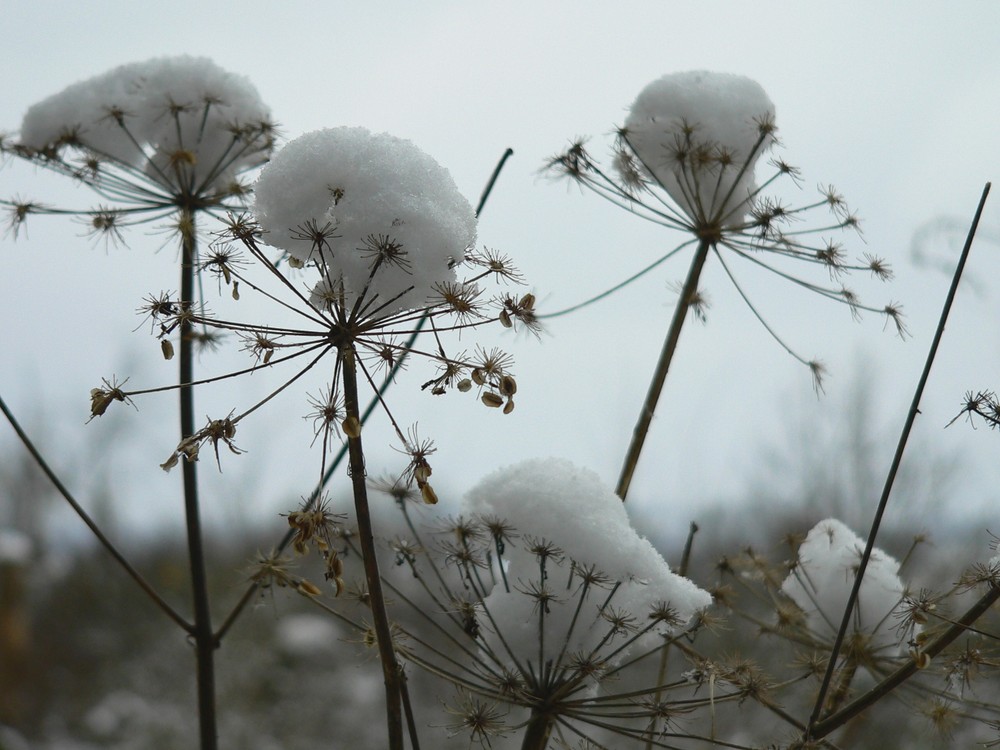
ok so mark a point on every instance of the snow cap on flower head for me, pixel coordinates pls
(569, 507)
(698, 134)
(169, 106)
(822, 579)
(342, 197)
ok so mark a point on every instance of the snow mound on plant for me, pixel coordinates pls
(568, 506)
(821, 583)
(682, 117)
(15, 547)
(167, 106)
(366, 188)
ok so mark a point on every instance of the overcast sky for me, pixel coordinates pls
(895, 104)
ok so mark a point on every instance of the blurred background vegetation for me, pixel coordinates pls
(88, 662)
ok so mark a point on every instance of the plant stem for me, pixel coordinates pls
(661, 673)
(386, 384)
(383, 633)
(205, 642)
(536, 735)
(894, 467)
(92, 525)
(822, 728)
(688, 293)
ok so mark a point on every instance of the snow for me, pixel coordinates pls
(722, 113)
(306, 635)
(15, 547)
(821, 583)
(556, 501)
(367, 187)
(167, 106)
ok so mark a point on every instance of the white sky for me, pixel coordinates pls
(897, 108)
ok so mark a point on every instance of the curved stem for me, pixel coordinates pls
(688, 293)
(205, 642)
(383, 633)
(92, 525)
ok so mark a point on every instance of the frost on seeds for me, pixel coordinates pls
(183, 116)
(698, 134)
(821, 582)
(345, 198)
(552, 500)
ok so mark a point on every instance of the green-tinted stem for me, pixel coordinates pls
(688, 294)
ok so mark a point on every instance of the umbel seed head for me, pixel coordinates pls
(698, 135)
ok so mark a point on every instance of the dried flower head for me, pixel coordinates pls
(687, 158)
(150, 139)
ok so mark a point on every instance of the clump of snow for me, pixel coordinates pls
(568, 506)
(369, 190)
(698, 134)
(821, 583)
(306, 634)
(122, 712)
(15, 547)
(182, 120)
(11, 740)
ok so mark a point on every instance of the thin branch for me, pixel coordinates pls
(822, 728)
(890, 479)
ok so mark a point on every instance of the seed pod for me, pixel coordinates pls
(339, 583)
(464, 385)
(428, 494)
(422, 473)
(334, 566)
(295, 262)
(190, 450)
(508, 386)
(307, 588)
(268, 355)
(505, 319)
(509, 406)
(492, 400)
(921, 658)
(236, 291)
(225, 273)
(100, 400)
(351, 427)
(527, 302)
(167, 348)
(477, 377)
